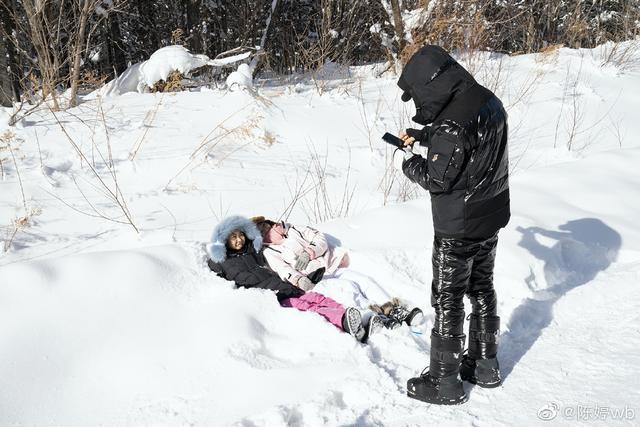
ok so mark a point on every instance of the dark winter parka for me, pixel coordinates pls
(246, 267)
(466, 171)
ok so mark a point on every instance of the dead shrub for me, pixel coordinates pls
(173, 83)
(525, 27)
(419, 40)
(548, 54)
(92, 80)
(178, 37)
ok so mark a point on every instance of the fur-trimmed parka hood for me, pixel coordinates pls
(217, 249)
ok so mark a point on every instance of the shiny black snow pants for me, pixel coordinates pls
(462, 267)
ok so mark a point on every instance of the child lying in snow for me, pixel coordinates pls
(301, 256)
(236, 254)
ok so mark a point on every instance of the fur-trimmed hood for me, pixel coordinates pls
(217, 249)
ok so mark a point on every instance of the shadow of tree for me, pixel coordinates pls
(583, 248)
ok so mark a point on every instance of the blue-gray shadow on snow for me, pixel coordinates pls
(333, 241)
(582, 248)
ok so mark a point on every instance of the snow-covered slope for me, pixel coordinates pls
(103, 325)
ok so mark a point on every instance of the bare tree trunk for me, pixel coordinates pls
(114, 40)
(5, 80)
(192, 22)
(44, 37)
(327, 14)
(9, 85)
(398, 25)
(77, 54)
(146, 11)
(256, 59)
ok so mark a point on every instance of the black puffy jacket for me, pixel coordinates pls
(467, 169)
(249, 269)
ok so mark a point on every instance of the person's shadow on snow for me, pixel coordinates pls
(580, 250)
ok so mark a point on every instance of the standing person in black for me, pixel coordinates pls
(466, 172)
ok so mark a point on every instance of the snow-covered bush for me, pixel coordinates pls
(168, 65)
(141, 77)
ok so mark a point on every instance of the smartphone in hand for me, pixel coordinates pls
(393, 140)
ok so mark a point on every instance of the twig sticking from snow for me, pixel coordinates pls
(221, 212)
(564, 97)
(323, 206)
(206, 143)
(297, 193)
(18, 223)
(7, 137)
(147, 125)
(116, 197)
(39, 151)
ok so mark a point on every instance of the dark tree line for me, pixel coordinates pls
(526, 26)
(51, 45)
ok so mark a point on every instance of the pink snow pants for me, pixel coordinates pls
(318, 303)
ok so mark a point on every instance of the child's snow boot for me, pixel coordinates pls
(397, 313)
(441, 384)
(373, 325)
(415, 317)
(480, 366)
(402, 314)
(352, 323)
(390, 322)
(384, 311)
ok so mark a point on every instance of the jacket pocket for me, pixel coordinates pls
(445, 163)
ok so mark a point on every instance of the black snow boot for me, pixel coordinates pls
(373, 325)
(390, 322)
(415, 317)
(398, 313)
(441, 384)
(482, 372)
(480, 366)
(352, 323)
(403, 315)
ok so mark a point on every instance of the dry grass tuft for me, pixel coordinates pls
(91, 80)
(549, 53)
(173, 83)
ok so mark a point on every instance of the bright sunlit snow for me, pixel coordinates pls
(100, 323)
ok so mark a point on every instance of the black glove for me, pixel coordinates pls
(416, 134)
(290, 292)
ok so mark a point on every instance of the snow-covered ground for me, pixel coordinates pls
(103, 325)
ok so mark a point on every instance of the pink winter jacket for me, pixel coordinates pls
(285, 242)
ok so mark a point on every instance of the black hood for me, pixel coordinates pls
(432, 78)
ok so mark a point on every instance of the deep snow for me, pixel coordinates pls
(103, 325)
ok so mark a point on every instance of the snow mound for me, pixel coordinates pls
(241, 78)
(137, 333)
(143, 75)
